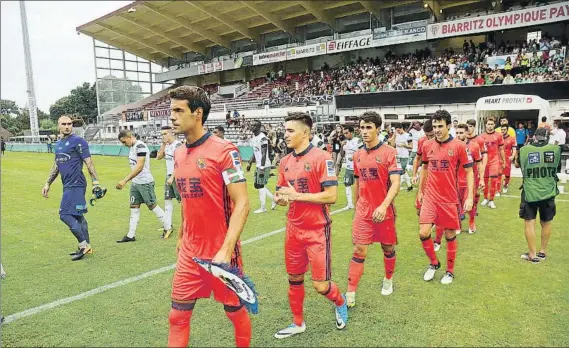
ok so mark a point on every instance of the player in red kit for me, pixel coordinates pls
(510, 149)
(494, 146)
(215, 205)
(438, 192)
(307, 180)
(417, 165)
(474, 151)
(377, 174)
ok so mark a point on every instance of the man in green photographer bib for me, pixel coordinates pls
(538, 161)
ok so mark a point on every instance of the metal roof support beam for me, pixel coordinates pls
(313, 8)
(448, 4)
(190, 46)
(225, 19)
(158, 48)
(375, 7)
(186, 24)
(435, 8)
(127, 48)
(269, 16)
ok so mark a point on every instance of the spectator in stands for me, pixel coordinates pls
(2, 146)
(228, 118)
(219, 131)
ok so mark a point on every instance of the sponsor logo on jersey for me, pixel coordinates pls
(330, 168)
(378, 160)
(307, 166)
(201, 163)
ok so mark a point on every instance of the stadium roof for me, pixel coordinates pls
(156, 30)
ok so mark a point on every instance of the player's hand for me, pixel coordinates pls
(379, 213)
(420, 196)
(415, 179)
(481, 186)
(503, 166)
(121, 184)
(222, 256)
(170, 180)
(248, 167)
(45, 190)
(280, 199)
(289, 192)
(511, 158)
(468, 204)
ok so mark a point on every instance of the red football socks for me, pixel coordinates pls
(389, 263)
(334, 295)
(429, 248)
(355, 272)
(493, 183)
(242, 326)
(296, 300)
(487, 182)
(179, 335)
(451, 253)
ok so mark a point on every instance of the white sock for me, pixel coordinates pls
(168, 209)
(349, 195)
(134, 216)
(160, 215)
(405, 177)
(269, 194)
(262, 197)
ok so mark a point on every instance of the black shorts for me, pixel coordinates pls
(546, 208)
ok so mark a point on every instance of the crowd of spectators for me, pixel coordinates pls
(423, 70)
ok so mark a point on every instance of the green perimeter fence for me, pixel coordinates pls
(107, 150)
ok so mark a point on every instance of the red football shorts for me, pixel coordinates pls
(492, 170)
(191, 282)
(304, 247)
(443, 215)
(365, 232)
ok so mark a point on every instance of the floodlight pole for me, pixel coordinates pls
(29, 76)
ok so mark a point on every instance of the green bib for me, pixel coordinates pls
(539, 169)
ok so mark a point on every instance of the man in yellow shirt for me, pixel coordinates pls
(504, 122)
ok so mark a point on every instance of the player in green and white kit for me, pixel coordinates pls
(260, 144)
(142, 187)
(350, 147)
(539, 162)
(166, 151)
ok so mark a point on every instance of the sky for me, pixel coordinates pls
(61, 59)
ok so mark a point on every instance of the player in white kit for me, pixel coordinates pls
(166, 151)
(260, 144)
(350, 147)
(142, 187)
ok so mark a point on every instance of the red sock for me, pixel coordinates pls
(486, 186)
(179, 335)
(242, 325)
(389, 263)
(429, 248)
(355, 272)
(296, 300)
(334, 295)
(439, 234)
(451, 254)
(472, 216)
(498, 183)
(507, 181)
(493, 182)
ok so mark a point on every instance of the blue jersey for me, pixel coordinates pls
(69, 155)
(521, 135)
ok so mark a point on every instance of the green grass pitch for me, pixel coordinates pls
(496, 298)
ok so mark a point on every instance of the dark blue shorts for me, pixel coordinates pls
(73, 201)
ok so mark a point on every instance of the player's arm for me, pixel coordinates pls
(91, 169)
(181, 230)
(264, 149)
(409, 144)
(381, 211)
(503, 155)
(161, 152)
(327, 196)
(514, 153)
(50, 179)
(137, 169)
(422, 181)
(356, 190)
(466, 162)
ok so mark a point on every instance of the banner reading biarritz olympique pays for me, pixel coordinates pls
(500, 21)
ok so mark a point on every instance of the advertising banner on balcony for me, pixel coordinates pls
(160, 113)
(269, 57)
(349, 44)
(411, 33)
(306, 51)
(500, 21)
(299, 101)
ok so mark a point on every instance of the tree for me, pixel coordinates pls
(82, 101)
(16, 119)
(48, 124)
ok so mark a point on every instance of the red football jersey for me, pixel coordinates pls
(444, 160)
(420, 144)
(202, 171)
(509, 144)
(372, 168)
(478, 140)
(493, 142)
(476, 154)
(309, 172)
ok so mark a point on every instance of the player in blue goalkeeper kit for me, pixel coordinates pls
(71, 152)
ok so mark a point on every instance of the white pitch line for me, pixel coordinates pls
(101, 289)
